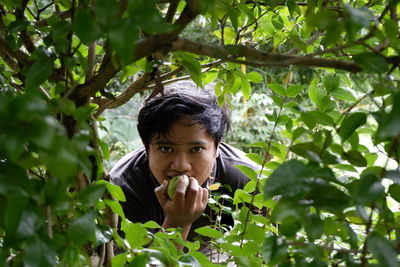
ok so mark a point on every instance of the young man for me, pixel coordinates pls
(181, 131)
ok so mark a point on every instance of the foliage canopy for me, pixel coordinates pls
(319, 85)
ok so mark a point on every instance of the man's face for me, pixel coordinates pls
(185, 150)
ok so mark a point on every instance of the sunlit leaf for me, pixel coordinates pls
(351, 123)
(209, 232)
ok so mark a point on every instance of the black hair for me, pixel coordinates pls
(183, 100)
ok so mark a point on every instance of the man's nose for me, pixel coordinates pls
(180, 163)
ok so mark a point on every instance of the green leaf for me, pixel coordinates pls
(209, 232)
(312, 118)
(135, 233)
(367, 190)
(315, 93)
(394, 192)
(391, 29)
(249, 172)
(389, 127)
(294, 178)
(351, 123)
(307, 150)
(314, 226)
(331, 82)
(294, 90)
(91, 194)
(241, 196)
(152, 225)
(85, 27)
(355, 158)
(256, 158)
(38, 72)
(115, 207)
(346, 167)
(343, 94)
(119, 260)
(114, 190)
(39, 253)
(260, 144)
(254, 77)
(122, 36)
(277, 88)
(383, 250)
(245, 88)
(371, 62)
(189, 260)
(82, 230)
(192, 65)
(106, 11)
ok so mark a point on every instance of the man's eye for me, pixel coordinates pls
(165, 149)
(197, 149)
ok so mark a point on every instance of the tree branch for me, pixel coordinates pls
(173, 5)
(255, 57)
(137, 86)
(91, 61)
(109, 68)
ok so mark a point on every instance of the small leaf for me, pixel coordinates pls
(315, 93)
(115, 207)
(135, 233)
(371, 62)
(254, 77)
(314, 226)
(367, 190)
(343, 94)
(294, 90)
(209, 232)
(152, 225)
(312, 118)
(119, 260)
(91, 194)
(256, 158)
(351, 123)
(355, 158)
(394, 192)
(245, 88)
(39, 72)
(84, 26)
(82, 230)
(389, 126)
(249, 172)
(192, 65)
(114, 190)
(331, 82)
(307, 150)
(241, 196)
(39, 253)
(277, 88)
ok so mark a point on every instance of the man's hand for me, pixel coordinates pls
(186, 207)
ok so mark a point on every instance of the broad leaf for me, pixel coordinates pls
(209, 232)
(351, 123)
(383, 250)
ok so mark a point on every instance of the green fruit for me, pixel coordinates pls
(172, 183)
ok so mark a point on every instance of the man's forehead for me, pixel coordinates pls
(166, 141)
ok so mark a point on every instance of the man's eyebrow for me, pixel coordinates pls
(165, 142)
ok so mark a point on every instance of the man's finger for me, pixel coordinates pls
(205, 196)
(181, 187)
(161, 193)
(192, 193)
